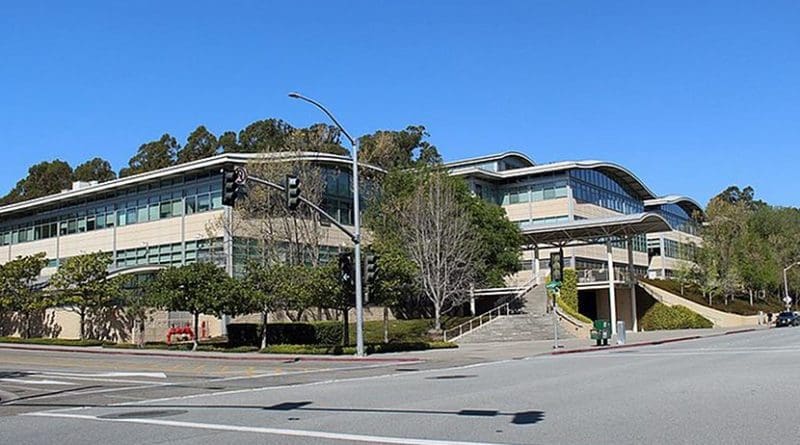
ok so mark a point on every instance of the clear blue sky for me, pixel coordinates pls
(691, 96)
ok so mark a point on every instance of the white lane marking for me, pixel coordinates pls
(150, 385)
(153, 375)
(300, 385)
(261, 430)
(35, 382)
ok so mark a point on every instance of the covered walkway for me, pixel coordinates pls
(600, 231)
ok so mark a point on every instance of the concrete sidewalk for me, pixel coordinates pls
(476, 351)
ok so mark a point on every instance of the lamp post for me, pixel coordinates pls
(786, 283)
(356, 223)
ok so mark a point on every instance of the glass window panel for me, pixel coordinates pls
(165, 210)
(152, 213)
(191, 205)
(177, 207)
(203, 202)
(216, 200)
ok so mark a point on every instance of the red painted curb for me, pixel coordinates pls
(649, 343)
(285, 358)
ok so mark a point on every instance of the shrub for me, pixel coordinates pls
(244, 334)
(661, 316)
(328, 332)
(375, 348)
(249, 334)
(53, 341)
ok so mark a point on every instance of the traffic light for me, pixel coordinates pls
(371, 268)
(346, 272)
(557, 266)
(229, 188)
(292, 192)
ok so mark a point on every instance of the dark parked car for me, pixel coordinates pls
(787, 319)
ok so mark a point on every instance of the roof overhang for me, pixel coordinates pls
(594, 231)
(202, 164)
(489, 158)
(619, 173)
(689, 205)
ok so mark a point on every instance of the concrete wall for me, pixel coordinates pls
(719, 318)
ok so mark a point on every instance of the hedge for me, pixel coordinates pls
(661, 317)
(54, 341)
(376, 348)
(249, 334)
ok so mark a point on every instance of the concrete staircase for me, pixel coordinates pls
(520, 327)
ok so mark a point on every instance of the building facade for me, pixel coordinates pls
(171, 217)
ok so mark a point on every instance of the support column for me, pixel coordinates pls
(632, 274)
(612, 296)
(227, 247)
(472, 299)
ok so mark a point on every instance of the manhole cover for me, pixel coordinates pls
(145, 414)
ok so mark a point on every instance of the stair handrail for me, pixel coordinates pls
(471, 323)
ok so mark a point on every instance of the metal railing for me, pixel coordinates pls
(476, 322)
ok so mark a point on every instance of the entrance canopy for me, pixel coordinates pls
(596, 231)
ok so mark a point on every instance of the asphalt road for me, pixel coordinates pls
(736, 389)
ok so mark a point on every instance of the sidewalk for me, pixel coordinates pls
(479, 351)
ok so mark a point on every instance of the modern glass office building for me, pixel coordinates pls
(165, 217)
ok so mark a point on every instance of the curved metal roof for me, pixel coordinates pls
(591, 230)
(689, 205)
(619, 173)
(489, 158)
(219, 160)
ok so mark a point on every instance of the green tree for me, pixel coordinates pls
(264, 282)
(264, 136)
(319, 138)
(197, 288)
(200, 144)
(17, 287)
(228, 142)
(82, 285)
(44, 178)
(152, 155)
(398, 149)
(97, 169)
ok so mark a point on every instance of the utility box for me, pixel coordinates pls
(620, 332)
(601, 332)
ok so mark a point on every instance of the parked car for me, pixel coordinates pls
(787, 319)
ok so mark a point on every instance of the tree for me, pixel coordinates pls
(319, 138)
(441, 243)
(18, 287)
(44, 178)
(499, 239)
(264, 136)
(98, 169)
(197, 288)
(265, 282)
(82, 285)
(200, 144)
(228, 142)
(152, 155)
(398, 149)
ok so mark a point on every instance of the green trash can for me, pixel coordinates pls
(601, 332)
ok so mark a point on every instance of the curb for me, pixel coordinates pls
(259, 357)
(649, 343)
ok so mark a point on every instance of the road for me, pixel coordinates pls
(735, 389)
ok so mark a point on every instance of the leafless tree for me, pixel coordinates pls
(274, 233)
(441, 243)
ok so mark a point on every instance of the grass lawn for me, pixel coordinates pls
(52, 341)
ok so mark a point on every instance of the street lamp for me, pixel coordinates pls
(786, 283)
(356, 223)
